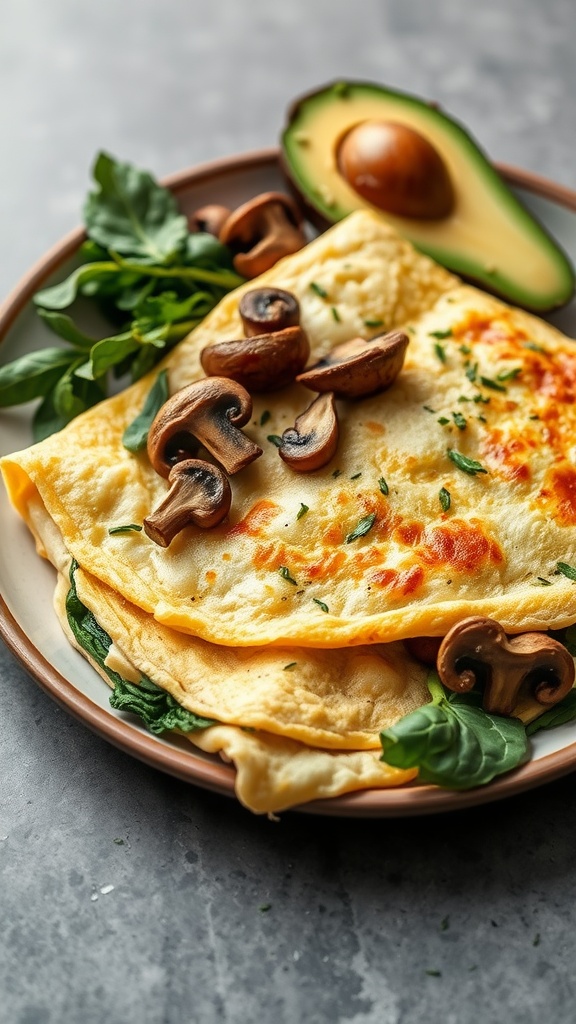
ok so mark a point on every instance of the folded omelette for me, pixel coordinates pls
(483, 411)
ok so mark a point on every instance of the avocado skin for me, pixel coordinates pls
(478, 184)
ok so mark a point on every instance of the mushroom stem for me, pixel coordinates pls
(199, 494)
(209, 412)
(313, 439)
(531, 668)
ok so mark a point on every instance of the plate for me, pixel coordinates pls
(31, 630)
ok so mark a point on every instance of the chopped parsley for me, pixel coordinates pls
(441, 334)
(428, 409)
(443, 421)
(336, 473)
(373, 323)
(472, 373)
(356, 475)
(129, 528)
(487, 382)
(275, 439)
(264, 417)
(318, 290)
(465, 350)
(534, 347)
(336, 315)
(302, 510)
(444, 498)
(285, 574)
(481, 418)
(509, 374)
(467, 465)
(459, 420)
(321, 604)
(481, 399)
(363, 527)
(383, 486)
(291, 664)
(541, 582)
(567, 570)
(439, 350)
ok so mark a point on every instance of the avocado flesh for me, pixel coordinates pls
(488, 237)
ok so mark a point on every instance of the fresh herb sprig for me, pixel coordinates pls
(149, 276)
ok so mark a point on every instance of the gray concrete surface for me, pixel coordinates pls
(457, 919)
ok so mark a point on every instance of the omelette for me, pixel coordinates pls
(450, 494)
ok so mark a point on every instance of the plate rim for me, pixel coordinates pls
(187, 765)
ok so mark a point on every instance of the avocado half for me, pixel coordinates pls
(487, 235)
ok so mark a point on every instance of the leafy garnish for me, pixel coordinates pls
(443, 421)
(467, 465)
(318, 290)
(373, 323)
(302, 510)
(445, 499)
(285, 574)
(441, 334)
(158, 710)
(562, 712)
(129, 528)
(472, 373)
(135, 436)
(453, 742)
(487, 382)
(540, 581)
(383, 486)
(275, 439)
(567, 570)
(363, 527)
(291, 664)
(459, 420)
(321, 604)
(440, 352)
(336, 315)
(149, 277)
(265, 417)
(509, 374)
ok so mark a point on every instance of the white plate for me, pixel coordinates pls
(28, 624)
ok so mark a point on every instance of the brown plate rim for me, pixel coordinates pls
(401, 802)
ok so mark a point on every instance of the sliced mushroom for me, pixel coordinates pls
(264, 310)
(199, 494)
(313, 439)
(263, 362)
(477, 650)
(209, 412)
(262, 231)
(209, 218)
(359, 367)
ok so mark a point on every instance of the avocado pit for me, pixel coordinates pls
(396, 169)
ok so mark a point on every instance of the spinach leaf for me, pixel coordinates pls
(59, 296)
(453, 742)
(33, 376)
(158, 710)
(130, 213)
(559, 714)
(136, 434)
(65, 328)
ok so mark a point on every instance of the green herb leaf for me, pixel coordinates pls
(441, 334)
(275, 439)
(363, 527)
(264, 418)
(321, 604)
(459, 420)
(356, 476)
(33, 376)
(559, 714)
(65, 328)
(285, 574)
(567, 570)
(130, 213)
(472, 373)
(439, 350)
(135, 436)
(509, 374)
(373, 323)
(336, 315)
(443, 421)
(487, 382)
(467, 465)
(454, 743)
(444, 498)
(541, 582)
(290, 665)
(534, 347)
(302, 510)
(59, 296)
(465, 350)
(337, 473)
(428, 409)
(129, 528)
(158, 709)
(383, 486)
(318, 290)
